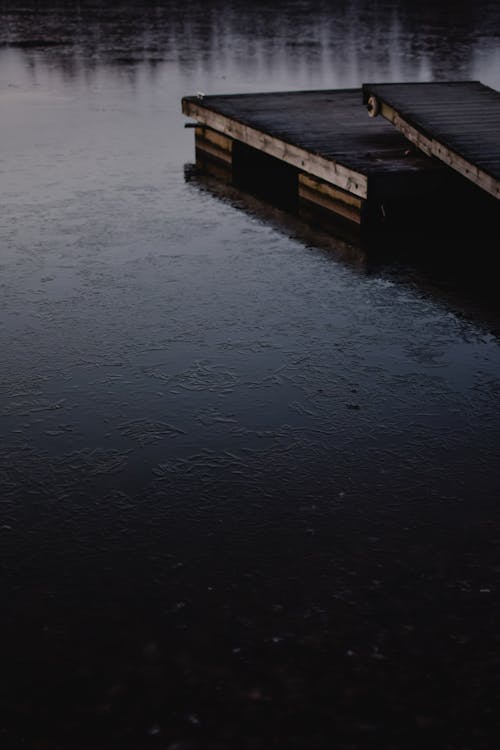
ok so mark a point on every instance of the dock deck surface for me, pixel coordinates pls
(457, 122)
(325, 132)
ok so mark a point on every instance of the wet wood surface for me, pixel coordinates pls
(325, 133)
(458, 122)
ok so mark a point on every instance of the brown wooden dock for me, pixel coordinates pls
(458, 122)
(321, 155)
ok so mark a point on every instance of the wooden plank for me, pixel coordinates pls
(329, 198)
(313, 163)
(456, 122)
(328, 190)
(210, 148)
(214, 167)
(212, 136)
(334, 207)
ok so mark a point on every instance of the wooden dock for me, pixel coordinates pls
(319, 154)
(457, 122)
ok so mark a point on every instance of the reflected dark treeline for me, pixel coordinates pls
(398, 35)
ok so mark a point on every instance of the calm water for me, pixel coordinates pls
(249, 487)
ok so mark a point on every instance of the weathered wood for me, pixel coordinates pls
(457, 122)
(329, 198)
(324, 188)
(214, 144)
(214, 151)
(217, 139)
(322, 133)
(214, 167)
(315, 164)
(316, 150)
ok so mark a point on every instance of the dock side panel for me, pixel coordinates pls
(214, 153)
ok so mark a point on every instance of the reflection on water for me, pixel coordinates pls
(337, 44)
(438, 264)
(248, 480)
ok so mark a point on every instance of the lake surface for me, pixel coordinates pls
(249, 478)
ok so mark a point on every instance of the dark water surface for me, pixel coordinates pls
(249, 481)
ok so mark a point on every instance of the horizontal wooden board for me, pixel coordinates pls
(212, 149)
(214, 167)
(217, 139)
(328, 191)
(328, 204)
